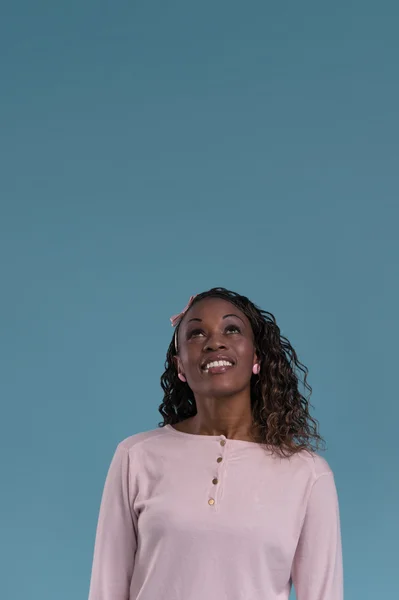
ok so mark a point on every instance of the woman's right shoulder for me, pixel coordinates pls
(141, 437)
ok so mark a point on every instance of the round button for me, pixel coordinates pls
(215, 481)
(211, 501)
(219, 459)
(222, 442)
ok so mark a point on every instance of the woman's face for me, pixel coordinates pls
(215, 330)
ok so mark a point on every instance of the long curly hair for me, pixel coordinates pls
(280, 412)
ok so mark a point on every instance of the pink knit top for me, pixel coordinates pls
(198, 517)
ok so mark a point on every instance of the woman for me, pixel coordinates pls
(227, 499)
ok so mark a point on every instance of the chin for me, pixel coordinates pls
(224, 388)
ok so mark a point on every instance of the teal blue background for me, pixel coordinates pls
(149, 151)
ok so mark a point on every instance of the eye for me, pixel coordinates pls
(194, 333)
(233, 329)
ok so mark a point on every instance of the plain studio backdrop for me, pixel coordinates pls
(152, 150)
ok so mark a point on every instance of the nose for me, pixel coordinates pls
(213, 343)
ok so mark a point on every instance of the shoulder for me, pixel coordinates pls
(313, 463)
(141, 438)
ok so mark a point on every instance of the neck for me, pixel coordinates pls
(229, 416)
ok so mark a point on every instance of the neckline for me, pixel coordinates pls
(200, 436)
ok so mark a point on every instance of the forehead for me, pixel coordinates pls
(213, 308)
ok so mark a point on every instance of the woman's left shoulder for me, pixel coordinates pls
(315, 462)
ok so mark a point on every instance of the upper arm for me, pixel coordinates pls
(317, 570)
(116, 535)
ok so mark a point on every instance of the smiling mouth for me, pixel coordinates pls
(217, 366)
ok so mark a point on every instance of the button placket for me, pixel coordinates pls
(212, 501)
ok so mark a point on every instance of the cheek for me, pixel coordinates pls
(245, 353)
(190, 358)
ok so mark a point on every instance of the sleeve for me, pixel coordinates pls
(317, 569)
(116, 535)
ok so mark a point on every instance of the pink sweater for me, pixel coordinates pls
(197, 517)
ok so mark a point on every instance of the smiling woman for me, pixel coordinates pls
(263, 386)
(227, 498)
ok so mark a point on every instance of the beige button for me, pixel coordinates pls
(215, 481)
(219, 459)
(222, 442)
(211, 501)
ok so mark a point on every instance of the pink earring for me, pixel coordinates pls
(181, 377)
(256, 369)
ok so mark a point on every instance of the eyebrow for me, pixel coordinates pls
(225, 317)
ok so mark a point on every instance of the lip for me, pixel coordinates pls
(209, 359)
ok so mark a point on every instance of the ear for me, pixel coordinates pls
(177, 363)
(255, 359)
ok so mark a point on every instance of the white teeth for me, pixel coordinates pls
(218, 363)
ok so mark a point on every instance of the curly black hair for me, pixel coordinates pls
(280, 412)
